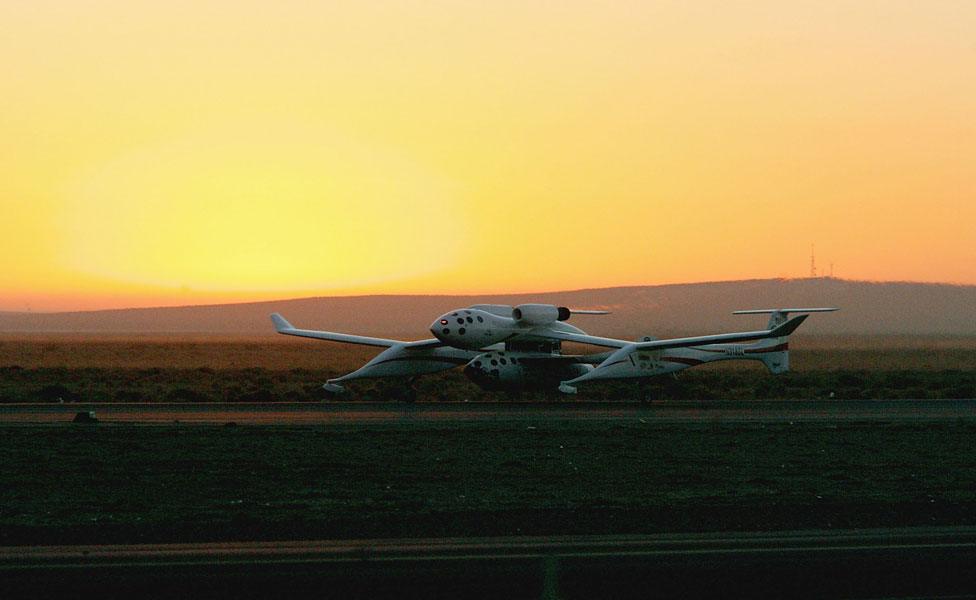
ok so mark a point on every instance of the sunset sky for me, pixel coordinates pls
(156, 153)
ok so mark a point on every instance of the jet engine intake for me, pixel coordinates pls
(539, 314)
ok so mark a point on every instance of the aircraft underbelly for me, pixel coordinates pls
(653, 364)
(405, 362)
(407, 366)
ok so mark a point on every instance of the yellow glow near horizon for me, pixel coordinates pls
(237, 210)
(179, 152)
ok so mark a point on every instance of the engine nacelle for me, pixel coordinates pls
(539, 314)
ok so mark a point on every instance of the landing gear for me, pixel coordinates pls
(399, 390)
(332, 390)
(408, 393)
(643, 392)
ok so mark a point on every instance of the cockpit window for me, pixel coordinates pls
(446, 331)
(480, 320)
(469, 320)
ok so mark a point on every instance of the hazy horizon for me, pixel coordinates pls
(97, 303)
(887, 308)
(314, 296)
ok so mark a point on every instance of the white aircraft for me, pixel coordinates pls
(513, 348)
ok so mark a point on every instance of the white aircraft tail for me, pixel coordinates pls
(775, 352)
(778, 316)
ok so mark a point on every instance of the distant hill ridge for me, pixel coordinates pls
(867, 308)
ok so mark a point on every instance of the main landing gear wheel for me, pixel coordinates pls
(396, 390)
(643, 392)
(333, 390)
(409, 392)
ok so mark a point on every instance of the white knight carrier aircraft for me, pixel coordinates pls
(514, 348)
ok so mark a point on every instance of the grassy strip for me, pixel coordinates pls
(296, 385)
(179, 483)
(281, 353)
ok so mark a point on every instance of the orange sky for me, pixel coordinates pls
(185, 152)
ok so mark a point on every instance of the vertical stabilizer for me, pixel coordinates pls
(775, 352)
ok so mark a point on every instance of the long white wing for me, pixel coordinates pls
(581, 338)
(723, 338)
(283, 327)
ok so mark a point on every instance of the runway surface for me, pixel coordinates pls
(925, 562)
(380, 550)
(774, 411)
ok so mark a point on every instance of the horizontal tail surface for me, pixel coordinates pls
(778, 316)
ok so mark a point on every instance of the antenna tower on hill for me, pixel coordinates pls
(813, 262)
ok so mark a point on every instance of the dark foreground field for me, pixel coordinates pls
(117, 483)
(127, 483)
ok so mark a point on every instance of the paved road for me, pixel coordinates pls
(936, 562)
(421, 412)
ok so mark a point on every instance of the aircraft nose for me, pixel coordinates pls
(441, 328)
